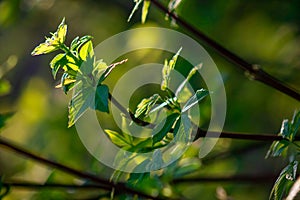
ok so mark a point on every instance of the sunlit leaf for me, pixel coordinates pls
(118, 138)
(183, 93)
(77, 43)
(83, 99)
(53, 43)
(145, 9)
(200, 94)
(109, 69)
(284, 182)
(168, 67)
(144, 107)
(136, 6)
(86, 50)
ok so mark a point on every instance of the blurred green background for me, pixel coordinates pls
(265, 33)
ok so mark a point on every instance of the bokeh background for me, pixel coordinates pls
(262, 32)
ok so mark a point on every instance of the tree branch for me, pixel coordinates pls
(105, 184)
(253, 70)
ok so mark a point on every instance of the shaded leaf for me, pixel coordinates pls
(277, 148)
(295, 124)
(101, 98)
(164, 127)
(200, 94)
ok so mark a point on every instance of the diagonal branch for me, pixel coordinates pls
(254, 71)
(105, 184)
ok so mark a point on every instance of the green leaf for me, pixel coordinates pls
(109, 69)
(285, 129)
(145, 106)
(57, 62)
(284, 182)
(200, 94)
(136, 6)
(83, 98)
(118, 138)
(277, 148)
(77, 43)
(295, 124)
(182, 133)
(101, 98)
(164, 127)
(168, 67)
(145, 9)
(86, 50)
(157, 160)
(183, 93)
(53, 43)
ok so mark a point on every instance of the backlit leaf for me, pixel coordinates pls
(146, 105)
(86, 50)
(118, 138)
(145, 9)
(136, 6)
(168, 67)
(200, 94)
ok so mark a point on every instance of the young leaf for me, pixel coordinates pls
(164, 127)
(53, 43)
(168, 67)
(182, 91)
(284, 181)
(277, 148)
(77, 43)
(65, 62)
(136, 6)
(145, 9)
(200, 94)
(101, 98)
(109, 69)
(146, 105)
(86, 51)
(118, 138)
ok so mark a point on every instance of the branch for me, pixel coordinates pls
(204, 133)
(253, 70)
(105, 184)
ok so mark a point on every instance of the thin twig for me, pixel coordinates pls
(254, 71)
(204, 133)
(105, 184)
